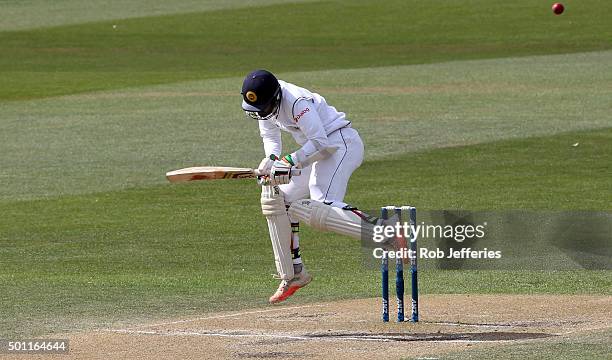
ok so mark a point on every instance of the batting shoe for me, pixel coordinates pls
(289, 287)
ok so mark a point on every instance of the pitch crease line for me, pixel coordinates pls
(287, 336)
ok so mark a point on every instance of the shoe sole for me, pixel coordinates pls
(290, 292)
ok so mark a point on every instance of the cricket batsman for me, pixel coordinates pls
(316, 195)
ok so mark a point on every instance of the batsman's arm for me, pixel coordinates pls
(271, 136)
(309, 122)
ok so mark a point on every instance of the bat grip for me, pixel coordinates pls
(294, 172)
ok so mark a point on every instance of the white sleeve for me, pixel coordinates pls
(309, 122)
(271, 136)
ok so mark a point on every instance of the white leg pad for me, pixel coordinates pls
(273, 207)
(328, 218)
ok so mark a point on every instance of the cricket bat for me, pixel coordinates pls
(225, 172)
(215, 173)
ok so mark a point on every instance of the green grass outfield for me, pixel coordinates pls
(294, 36)
(462, 105)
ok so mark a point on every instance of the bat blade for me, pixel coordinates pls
(210, 173)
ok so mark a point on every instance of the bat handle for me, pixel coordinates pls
(294, 172)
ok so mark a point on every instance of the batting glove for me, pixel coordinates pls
(281, 171)
(265, 166)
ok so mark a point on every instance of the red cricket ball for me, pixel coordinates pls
(558, 8)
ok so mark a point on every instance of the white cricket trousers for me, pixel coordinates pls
(327, 180)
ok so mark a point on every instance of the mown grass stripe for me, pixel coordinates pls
(301, 36)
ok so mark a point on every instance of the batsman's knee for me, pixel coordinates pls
(325, 217)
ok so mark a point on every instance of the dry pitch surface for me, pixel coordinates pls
(351, 329)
